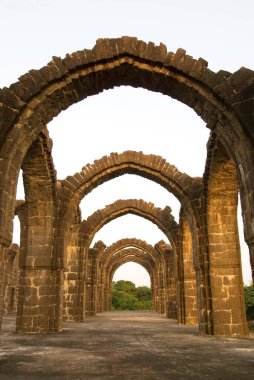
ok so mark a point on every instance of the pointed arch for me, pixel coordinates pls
(162, 218)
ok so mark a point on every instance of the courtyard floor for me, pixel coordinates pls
(124, 345)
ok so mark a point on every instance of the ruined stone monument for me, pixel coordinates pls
(195, 279)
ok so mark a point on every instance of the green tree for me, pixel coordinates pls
(125, 296)
(143, 293)
(249, 301)
(123, 301)
(125, 286)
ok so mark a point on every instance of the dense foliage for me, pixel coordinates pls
(125, 296)
(249, 301)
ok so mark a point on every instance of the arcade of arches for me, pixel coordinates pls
(55, 274)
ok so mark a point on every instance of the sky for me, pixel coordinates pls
(221, 32)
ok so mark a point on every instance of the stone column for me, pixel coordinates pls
(91, 282)
(156, 293)
(153, 292)
(100, 289)
(189, 275)
(109, 296)
(161, 292)
(100, 247)
(3, 265)
(40, 282)
(74, 276)
(171, 309)
(12, 280)
(106, 302)
(228, 304)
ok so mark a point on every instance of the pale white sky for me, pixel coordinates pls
(32, 31)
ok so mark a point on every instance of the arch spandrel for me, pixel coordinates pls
(161, 217)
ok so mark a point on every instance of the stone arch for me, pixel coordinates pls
(132, 254)
(28, 105)
(126, 250)
(223, 100)
(155, 253)
(128, 242)
(156, 168)
(221, 197)
(120, 245)
(162, 285)
(162, 218)
(74, 188)
(138, 260)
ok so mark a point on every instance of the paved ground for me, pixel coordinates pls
(124, 345)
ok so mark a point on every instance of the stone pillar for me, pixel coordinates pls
(38, 296)
(3, 266)
(153, 292)
(109, 296)
(100, 247)
(100, 289)
(12, 280)
(189, 275)
(180, 291)
(74, 276)
(167, 279)
(228, 299)
(171, 309)
(228, 304)
(91, 282)
(161, 293)
(156, 294)
(106, 303)
(40, 282)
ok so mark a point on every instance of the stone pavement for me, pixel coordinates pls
(124, 345)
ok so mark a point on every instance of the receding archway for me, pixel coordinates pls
(222, 100)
